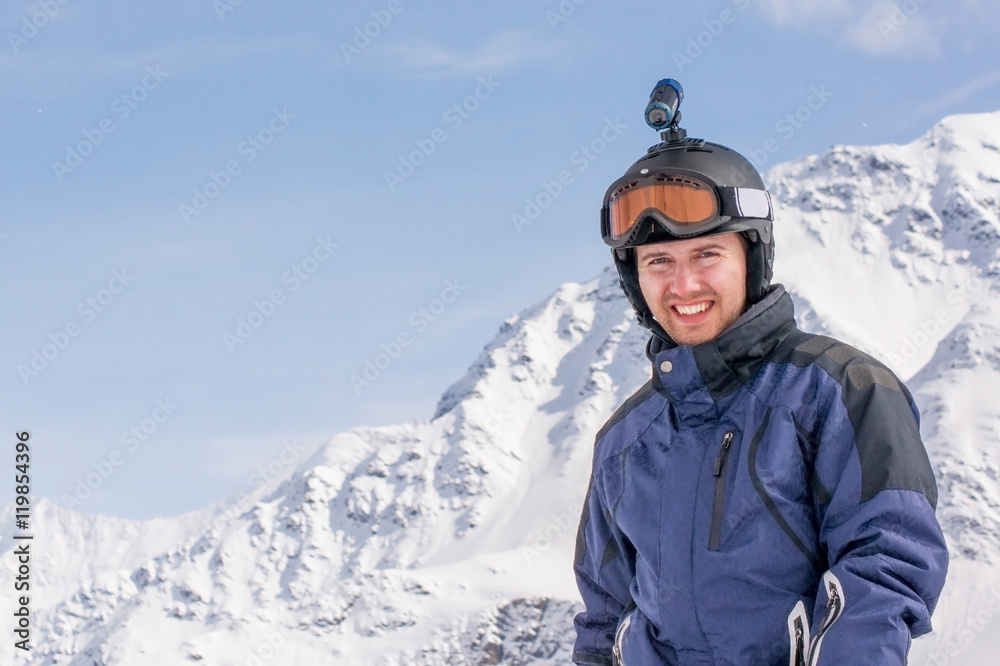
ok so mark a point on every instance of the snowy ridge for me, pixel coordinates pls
(450, 541)
(521, 632)
(387, 539)
(966, 433)
(919, 221)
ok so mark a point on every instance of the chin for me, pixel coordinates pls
(690, 338)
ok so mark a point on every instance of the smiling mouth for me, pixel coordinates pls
(693, 309)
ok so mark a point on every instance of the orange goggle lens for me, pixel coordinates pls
(681, 200)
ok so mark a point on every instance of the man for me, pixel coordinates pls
(765, 498)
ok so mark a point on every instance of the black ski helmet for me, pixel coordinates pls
(698, 163)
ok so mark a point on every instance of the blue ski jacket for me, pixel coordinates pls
(764, 499)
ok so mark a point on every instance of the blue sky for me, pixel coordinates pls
(216, 213)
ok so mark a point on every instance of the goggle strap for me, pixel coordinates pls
(745, 202)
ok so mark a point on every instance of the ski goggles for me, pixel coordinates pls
(682, 205)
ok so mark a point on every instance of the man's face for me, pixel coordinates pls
(695, 288)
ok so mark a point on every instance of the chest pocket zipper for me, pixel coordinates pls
(620, 639)
(719, 502)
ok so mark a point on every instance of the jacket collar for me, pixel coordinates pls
(702, 374)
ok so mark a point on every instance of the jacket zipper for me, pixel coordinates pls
(620, 639)
(718, 504)
(798, 635)
(834, 609)
(800, 647)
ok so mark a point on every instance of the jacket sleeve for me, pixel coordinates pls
(605, 566)
(887, 555)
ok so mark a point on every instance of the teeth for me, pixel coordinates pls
(692, 309)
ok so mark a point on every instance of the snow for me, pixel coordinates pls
(450, 541)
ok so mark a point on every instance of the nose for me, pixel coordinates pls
(686, 279)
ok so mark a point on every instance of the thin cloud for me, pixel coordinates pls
(885, 29)
(949, 100)
(802, 12)
(902, 28)
(85, 66)
(502, 51)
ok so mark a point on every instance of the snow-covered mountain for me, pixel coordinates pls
(450, 541)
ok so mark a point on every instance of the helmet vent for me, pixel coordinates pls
(697, 150)
(679, 179)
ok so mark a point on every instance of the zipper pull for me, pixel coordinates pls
(798, 634)
(726, 441)
(800, 646)
(834, 609)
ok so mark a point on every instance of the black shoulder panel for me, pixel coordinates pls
(879, 406)
(580, 553)
(633, 401)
